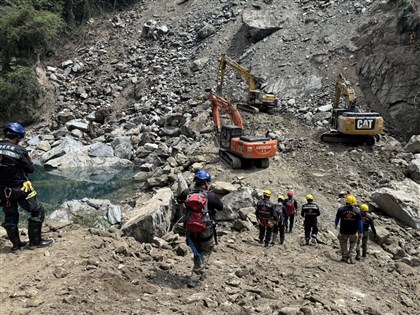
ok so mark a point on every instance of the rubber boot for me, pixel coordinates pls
(13, 234)
(358, 255)
(34, 232)
(364, 254)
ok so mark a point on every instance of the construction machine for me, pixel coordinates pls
(257, 100)
(235, 148)
(348, 125)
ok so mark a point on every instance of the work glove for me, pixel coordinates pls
(27, 187)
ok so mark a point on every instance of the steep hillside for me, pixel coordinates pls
(138, 74)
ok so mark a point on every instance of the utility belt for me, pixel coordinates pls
(9, 194)
(266, 222)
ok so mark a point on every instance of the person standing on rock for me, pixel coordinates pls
(16, 189)
(265, 216)
(310, 213)
(291, 207)
(367, 221)
(200, 206)
(350, 221)
(279, 217)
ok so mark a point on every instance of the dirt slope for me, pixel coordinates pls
(97, 272)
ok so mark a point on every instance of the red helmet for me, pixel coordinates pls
(290, 194)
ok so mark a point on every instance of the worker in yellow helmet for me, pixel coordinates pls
(350, 221)
(265, 217)
(367, 221)
(310, 213)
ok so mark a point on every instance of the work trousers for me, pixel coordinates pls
(311, 229)
(364, 241)
(347, 245)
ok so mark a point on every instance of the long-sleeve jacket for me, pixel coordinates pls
(310, 211)
(15, 164)
(214, 202)
(264, 210)
(279, 213)
(367, 221)
(350, 220)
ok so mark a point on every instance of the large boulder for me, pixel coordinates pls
(232, 203)
(66, 145)
(98, 213)
(414, 169)
(261, 23)
(400, 201)
(413, 144)
(152, 218)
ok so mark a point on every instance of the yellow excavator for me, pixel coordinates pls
(257, 100)
(348, 125)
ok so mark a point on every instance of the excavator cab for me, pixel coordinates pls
(227, 133)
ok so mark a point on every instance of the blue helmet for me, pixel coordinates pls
(202, 176)
(16, 128)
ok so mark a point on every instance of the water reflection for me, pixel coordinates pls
(55, 187)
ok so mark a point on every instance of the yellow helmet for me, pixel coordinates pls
(350, 199)
(267, 193)
(364, 207)
(281, 197)
(309, 197)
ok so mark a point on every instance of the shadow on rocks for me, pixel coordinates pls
(164, 278)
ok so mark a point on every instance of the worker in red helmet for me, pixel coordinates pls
(291, 206)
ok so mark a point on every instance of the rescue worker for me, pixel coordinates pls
(279, 216)
(265, 216)
(310, 213)
(367, 221)
(202, 244)
(350, 224)
(16, 189)
(291, 207)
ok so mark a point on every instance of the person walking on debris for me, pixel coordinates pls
(265, 216)
(367, 221)
(279, 217)
(16, 189)
(310, 213)
(291, 207)
(350, 221)
(200, 206)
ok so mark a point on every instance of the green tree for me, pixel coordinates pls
(26, 32)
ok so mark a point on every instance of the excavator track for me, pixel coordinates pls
(248, 108)
(336, 137)
(232, 160)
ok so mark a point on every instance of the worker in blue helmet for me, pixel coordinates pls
(16, 189)
(199, 208)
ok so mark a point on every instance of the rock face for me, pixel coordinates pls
(413, 144)
(151, 219)
(414, 169)
(260, 23)
(401, 202)
(395, 92)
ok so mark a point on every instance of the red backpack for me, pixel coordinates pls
(197, 215)
(290, 207)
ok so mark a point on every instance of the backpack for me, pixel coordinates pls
(197, 215)
(290, 207)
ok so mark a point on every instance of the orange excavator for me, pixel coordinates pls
(236, 149)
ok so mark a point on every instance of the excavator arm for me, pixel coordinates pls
(219, 103)
(225, 60)
(343, 87)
